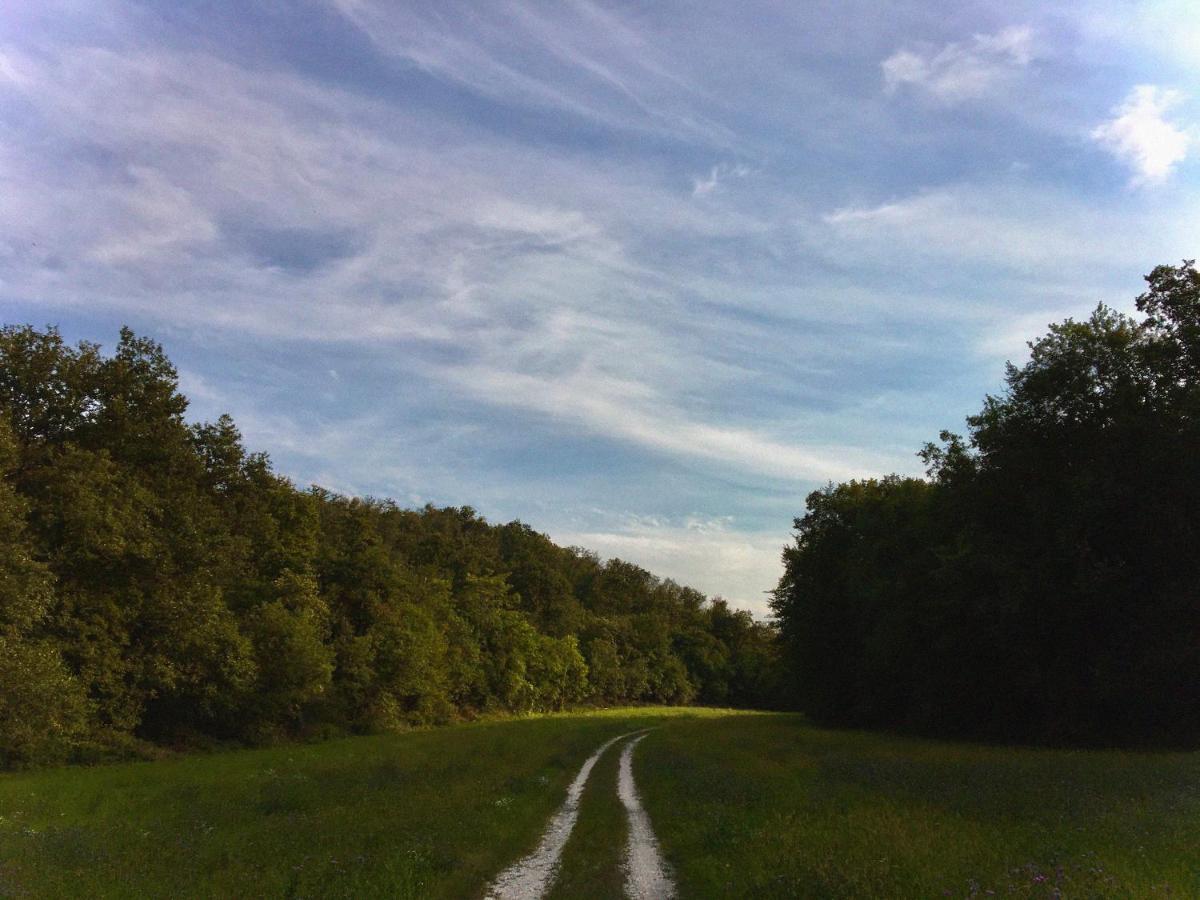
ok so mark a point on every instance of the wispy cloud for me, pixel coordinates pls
(1141, 135)
(703, 186)
(964, 70)
(635, 412)
(1165, 31)
(1016, 226)
(156, 217)
(675, 258)
(536, 305)
(580, 58)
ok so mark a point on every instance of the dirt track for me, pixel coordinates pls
(646, 875)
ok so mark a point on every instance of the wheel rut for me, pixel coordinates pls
(646, 874)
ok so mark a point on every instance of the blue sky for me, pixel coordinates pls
(641, 275)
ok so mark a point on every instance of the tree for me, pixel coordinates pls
(1043, 584)
(161, 583)
(43, 711)
(294, 661)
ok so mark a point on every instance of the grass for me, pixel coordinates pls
(591, 861)
(426, 814)
(747, 805)
(766, 806)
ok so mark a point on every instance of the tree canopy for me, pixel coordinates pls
(1042, 583)
(161, 585)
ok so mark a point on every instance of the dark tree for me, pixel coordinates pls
(1043, 585)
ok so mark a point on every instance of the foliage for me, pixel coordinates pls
(162, 584)
(43, 711)
(1042, 584)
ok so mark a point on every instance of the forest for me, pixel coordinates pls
(162, 587)
(1042, 584)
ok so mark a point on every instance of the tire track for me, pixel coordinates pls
(529, 878)
(646, 874)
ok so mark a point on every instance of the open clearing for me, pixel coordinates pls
(741, 804)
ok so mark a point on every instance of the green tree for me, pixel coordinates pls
(43, 710)
(159, 582)
(294, 660)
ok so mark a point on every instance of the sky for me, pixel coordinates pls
(642, 275)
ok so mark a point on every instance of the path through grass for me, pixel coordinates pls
(592, 859)
(744, 805)
(426, 814)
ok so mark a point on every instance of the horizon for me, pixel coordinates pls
(640, 278)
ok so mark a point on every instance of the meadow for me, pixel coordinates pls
(768, 806)
(744, 804)
(429, 813)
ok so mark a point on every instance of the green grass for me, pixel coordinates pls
(426, 814)
(765, 806)
(591, 862)
(746, 805)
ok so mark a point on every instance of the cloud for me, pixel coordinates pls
(716, 558)
(577, 58)
(961, 71)
(1008, 337)
(1140, 135)
(1018, 227)
(12, 70)
(511, 218)
(702, 187)
(155, 217)
(263, 205)
(1166, 31)
(635, 412)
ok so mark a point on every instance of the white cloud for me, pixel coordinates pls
(964, 70)
(481, 256)
(1165, 31)
(12, 70)
(155, 216)
(586, 290)
(717, 559)
(1019, 227)
(632, 411)
(1140, 135)
(1007, 337)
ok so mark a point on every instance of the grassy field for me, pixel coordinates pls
(765, 806)
(427, 814)
(746, 805)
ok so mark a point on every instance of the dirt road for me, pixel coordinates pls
(646, 874)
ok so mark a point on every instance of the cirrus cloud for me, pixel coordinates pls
(965, 70)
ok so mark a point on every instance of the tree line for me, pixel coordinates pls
(160, 585)
(1043, 582)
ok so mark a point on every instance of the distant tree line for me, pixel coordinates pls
(161, 585)
(1043, 584)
